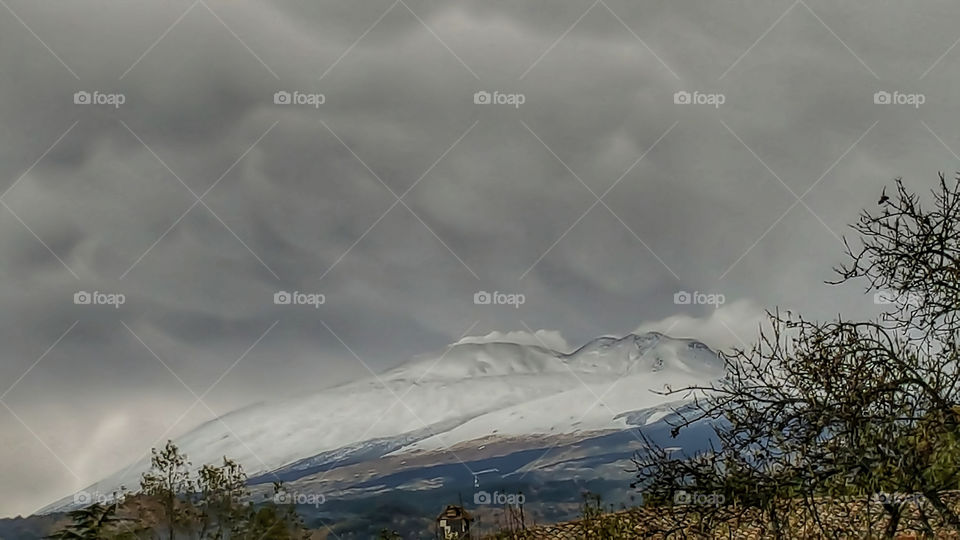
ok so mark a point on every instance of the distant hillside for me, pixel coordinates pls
(28, 528)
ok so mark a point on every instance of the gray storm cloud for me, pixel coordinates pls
(598, 198)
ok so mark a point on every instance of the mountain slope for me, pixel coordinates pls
(469, 393)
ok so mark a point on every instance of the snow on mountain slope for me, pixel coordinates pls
(594, 404)
(467, 392)
(651, 352)
(471, 360)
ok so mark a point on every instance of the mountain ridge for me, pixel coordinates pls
(468, 392)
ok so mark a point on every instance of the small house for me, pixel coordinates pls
(454, 522)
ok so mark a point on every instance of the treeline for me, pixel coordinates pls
(175, 504)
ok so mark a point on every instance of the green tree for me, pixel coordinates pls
(214, 506)
(169, 482)
(96, 522)
(219, 499)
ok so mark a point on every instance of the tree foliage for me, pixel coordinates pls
(173, 504)
(821, 412)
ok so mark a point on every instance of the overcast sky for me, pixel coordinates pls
(589, 190)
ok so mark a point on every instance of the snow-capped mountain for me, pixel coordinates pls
(466, 398)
